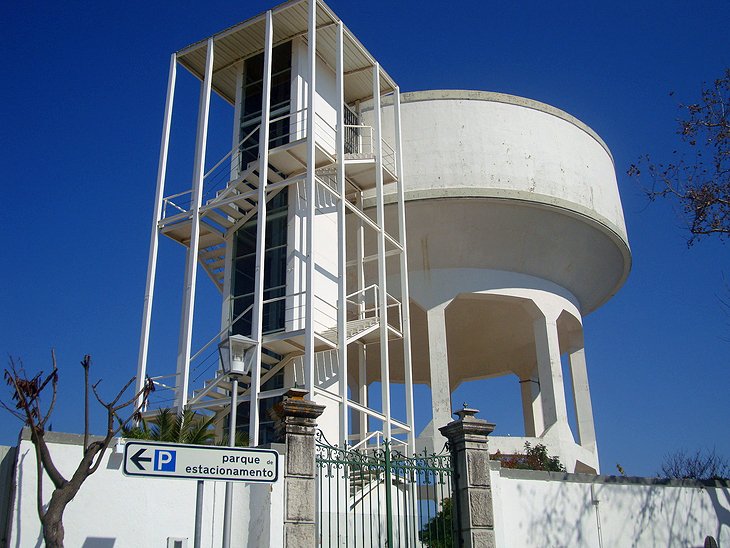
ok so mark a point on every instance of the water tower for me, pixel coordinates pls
(515, 232)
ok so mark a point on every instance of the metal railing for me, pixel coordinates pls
(284, 129)
(217, 180)
(381, 497)
(360, 143)
(365, 303)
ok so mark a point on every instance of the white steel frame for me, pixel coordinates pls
(390, 425)
(154, 238)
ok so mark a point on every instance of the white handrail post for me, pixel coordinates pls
(258, 309)
(311, 196)
(186, 326)
(360, 239)
(154, 238)
(405, 312)
(382, 274)
(362, 397)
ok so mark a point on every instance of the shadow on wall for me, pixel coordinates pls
(623, 512)
(559, 519)
(18, 496)
(7, 471)
(722, 509)
(98, 542)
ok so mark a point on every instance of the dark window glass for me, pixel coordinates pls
(267, 430)
(352, 134)
(274, 268)
(280, 100)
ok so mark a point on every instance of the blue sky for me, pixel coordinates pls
(82, 100)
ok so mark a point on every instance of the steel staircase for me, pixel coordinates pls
(229, 200)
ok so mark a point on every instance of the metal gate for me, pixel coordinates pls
(376, 496)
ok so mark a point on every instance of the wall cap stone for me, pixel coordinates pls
(539, 475)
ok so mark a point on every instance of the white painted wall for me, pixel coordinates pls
(542, 510)
(325, 222)
(530, 508)
(326, 378)
(115, 510)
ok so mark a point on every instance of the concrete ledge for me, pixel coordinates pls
(59, 437)
(530, 199)
(537, 475)
(524, 196)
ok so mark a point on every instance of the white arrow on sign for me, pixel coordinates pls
(199, 462)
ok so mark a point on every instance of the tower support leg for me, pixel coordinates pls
(582, 399)
(438, 359)
(550, 372)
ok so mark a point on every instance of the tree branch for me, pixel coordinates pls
(54, 376)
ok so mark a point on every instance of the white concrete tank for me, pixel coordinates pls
(515, 231)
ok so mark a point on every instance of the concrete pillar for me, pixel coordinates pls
(474, 514)
(582, 399)
(550, 372)
(439, 366)
(532, 405)
(298, 421)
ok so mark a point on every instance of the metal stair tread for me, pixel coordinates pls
(353, 328)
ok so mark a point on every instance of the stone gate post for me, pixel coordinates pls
(297, 424)
(467, 437)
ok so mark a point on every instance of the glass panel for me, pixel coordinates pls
(274, 268)
(252, 96)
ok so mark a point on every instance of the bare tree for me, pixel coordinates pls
(701, 465)
(26, 405)
(698, 177)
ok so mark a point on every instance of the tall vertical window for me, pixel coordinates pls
(274, 268)
(253, 78)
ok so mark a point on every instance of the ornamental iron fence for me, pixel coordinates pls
(376, 496)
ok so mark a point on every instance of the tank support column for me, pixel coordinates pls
(550, 372)
(532, 406)
(582, 399)
(438, 360)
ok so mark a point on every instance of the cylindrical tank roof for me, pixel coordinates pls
(499, 182)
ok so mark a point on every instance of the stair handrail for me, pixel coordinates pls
(226, 328)
(234, 149)
(377, 434)
(361, 306)
(395, 303)
(167, 200)
(246, 138)
(363, 144)
(388, 158)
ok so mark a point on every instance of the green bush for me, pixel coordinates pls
(534, 458)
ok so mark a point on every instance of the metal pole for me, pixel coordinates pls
(198, 513)
(156, 216)
(186, 325)
(258, 309)
(405, 291)
(382, 274)
(229, 485)
(388, 495)
(311, 196)
(341, 241)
